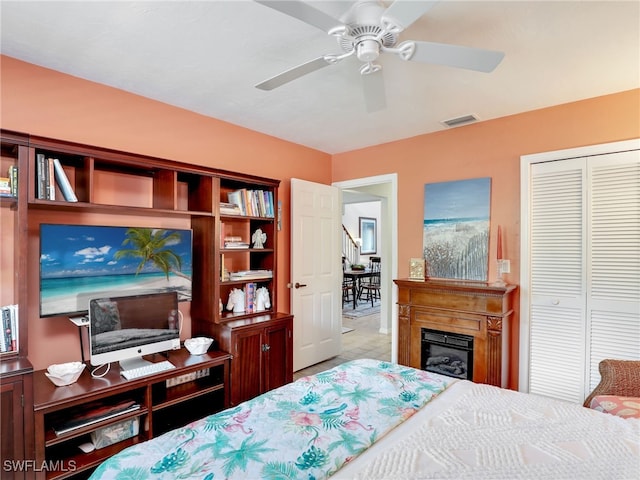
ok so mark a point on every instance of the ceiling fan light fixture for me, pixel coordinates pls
(368, 50)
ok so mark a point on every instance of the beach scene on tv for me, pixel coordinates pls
(81, 262)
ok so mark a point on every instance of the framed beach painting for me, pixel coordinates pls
(455, 235)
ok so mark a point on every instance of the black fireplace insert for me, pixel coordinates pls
(449, 354)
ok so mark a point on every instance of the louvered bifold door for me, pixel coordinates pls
(557, 271)
(613, 277)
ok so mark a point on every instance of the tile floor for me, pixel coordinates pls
(363, 342)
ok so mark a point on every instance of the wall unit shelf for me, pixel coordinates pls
(153, 192)
(16, 372)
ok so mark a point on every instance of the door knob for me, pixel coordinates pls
(298, 285)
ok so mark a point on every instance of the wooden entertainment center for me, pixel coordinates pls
(474, 309)
(162, 408)
(255, 347)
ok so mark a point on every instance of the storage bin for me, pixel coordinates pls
(105, 436)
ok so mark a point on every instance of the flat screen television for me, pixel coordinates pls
(123, 329)
(81, 262)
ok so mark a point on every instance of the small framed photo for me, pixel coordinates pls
(417, 269)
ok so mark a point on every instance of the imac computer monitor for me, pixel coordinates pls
(123, 329)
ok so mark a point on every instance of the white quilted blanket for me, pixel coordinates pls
(491, 433)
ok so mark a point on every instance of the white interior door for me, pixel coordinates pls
(316, 268)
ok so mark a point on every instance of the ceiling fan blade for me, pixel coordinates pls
(403, 13)
(304, 12)
(457, 56)
(293, 73)
(374, 93)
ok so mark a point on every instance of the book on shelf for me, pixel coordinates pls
(253, 203)
(13, 312)
(9, 320)
(236, 245)
(236, 198)
(49, 172)
(229, 209)
(4, 345)
(93, 413)
(63, 182)
(249, 297)
(5, 186)
(234, 241)
(251, 275)
(224, 273)
(50, 180)
(40, 176)
(45, 182)
(13, 179)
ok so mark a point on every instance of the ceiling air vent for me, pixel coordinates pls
(462, 120)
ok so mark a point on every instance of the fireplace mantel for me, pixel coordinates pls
(478, 309)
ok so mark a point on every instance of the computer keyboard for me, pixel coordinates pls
(147, 370)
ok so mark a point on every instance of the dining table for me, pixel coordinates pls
(356, 276)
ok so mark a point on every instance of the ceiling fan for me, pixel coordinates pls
(369, 29)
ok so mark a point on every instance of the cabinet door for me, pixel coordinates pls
(246, 366)
(278, 355)
(12, 427)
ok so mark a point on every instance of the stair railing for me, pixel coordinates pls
(350, 249)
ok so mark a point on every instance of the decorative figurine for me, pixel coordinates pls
(262, 299)
(258, 238)
(236, 301)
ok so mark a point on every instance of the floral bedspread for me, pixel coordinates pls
(306, 429)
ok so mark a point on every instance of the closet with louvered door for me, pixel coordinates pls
(580, 298)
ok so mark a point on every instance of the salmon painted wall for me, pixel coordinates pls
(43, 102)
(47, 103)
(489, 149)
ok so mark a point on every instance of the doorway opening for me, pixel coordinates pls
(382, 189)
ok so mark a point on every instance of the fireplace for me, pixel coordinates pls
(449, 354)
(470, 309)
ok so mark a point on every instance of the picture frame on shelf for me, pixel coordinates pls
(417, 269)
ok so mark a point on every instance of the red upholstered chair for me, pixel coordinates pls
(619, 389)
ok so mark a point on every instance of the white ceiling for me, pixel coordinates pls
(206, 56)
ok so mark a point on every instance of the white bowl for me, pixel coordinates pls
(198, 345)
(64, 373)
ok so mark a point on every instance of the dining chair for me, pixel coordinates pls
(370, 286)
(347, 285)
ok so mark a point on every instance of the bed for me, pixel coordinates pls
(378, 420)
